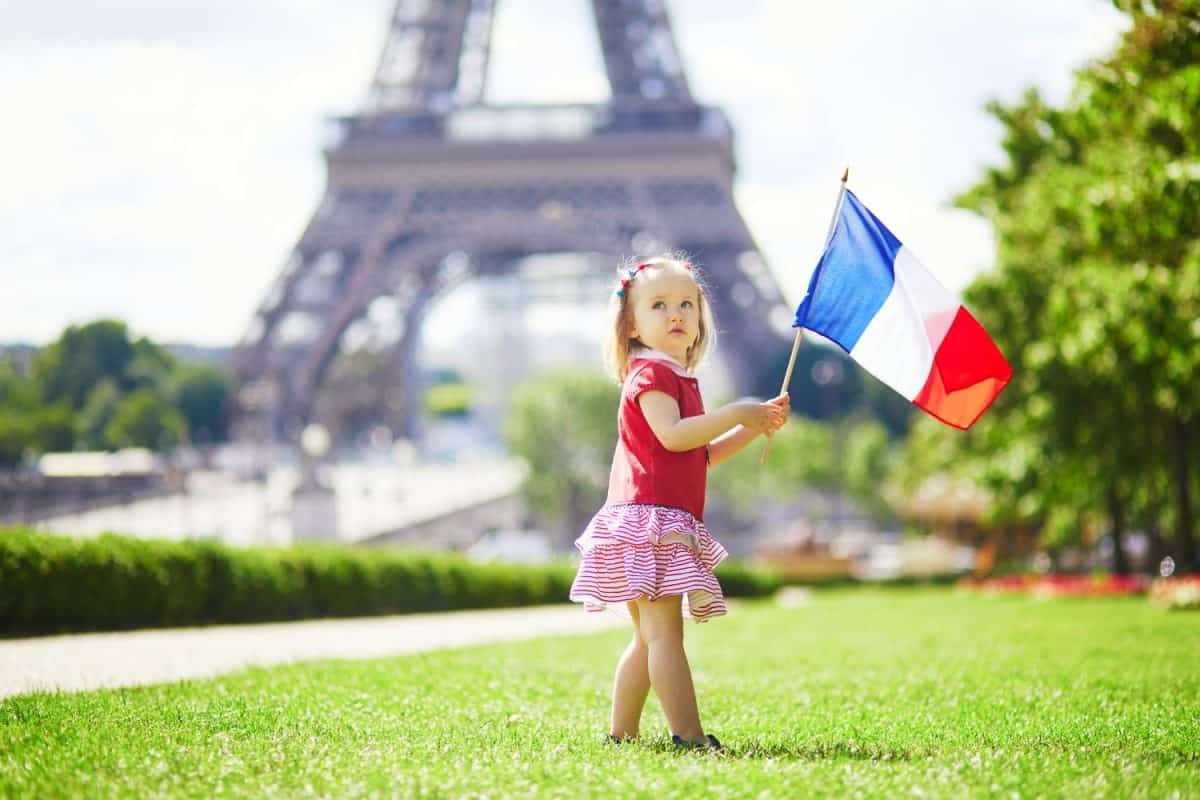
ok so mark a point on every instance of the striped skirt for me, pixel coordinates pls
(633, 550)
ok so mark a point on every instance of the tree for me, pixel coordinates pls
(827, 385)
(36, 431)
(865, 467)
(564, 425)
(87, 380)
(26, 426)
(802, 454)
(202, 395)
(97, 414)
(17, 392)
(146, 419)
(151, 366)
(67, 369)
(1098, 289)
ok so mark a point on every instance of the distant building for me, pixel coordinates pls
(958, 511)
(68, 483)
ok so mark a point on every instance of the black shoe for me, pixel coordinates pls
(612, 739)
(712, 744)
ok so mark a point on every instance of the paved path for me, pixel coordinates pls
(99, 660)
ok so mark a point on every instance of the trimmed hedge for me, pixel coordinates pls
(53, 584)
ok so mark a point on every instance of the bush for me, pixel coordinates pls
(739, 580)
(53, 584)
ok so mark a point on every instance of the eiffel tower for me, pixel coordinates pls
(427, 172)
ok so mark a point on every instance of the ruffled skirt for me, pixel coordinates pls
(634, 550)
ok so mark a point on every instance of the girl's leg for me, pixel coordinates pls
(662, 630)
(632, 683)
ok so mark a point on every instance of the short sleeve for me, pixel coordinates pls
(651, 376)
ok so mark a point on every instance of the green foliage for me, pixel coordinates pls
(1097, 293)
(82, 357)
(151, 366)
(17, 392)
(202, 395)
(146, 419)
(27, 426)
(55, 583)
(98, 414)
(827, 385)
(802, 454)
(852, 457)
(42, 429)
(564, 425)
(740, 580)
(448, 399)
(112, 392)
(866, 461)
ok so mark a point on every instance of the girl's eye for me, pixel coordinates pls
(686, 304)
(659, 304)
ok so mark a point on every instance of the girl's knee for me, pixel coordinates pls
(660, 620)
(664, 608)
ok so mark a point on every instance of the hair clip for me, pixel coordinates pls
(687, 265)
(632, 273)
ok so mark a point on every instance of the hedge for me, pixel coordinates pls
(54, 584)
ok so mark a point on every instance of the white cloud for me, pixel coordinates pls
(160, 160)
(162, 180)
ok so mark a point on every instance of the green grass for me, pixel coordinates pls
(859, 694)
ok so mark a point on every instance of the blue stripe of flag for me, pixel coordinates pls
(852, 279)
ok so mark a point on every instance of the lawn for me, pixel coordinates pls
(914, 693)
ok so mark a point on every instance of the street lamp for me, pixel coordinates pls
(314, 501)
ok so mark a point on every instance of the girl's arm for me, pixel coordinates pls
(728, 445)
(677, 435)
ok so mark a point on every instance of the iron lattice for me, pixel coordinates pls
(427, 169)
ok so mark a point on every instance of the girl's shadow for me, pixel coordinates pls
(813, 751)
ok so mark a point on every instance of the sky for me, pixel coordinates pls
(158, 161)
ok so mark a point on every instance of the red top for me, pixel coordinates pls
(643, 471)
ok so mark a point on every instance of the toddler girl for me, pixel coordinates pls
(647, 550)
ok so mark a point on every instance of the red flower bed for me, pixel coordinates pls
(1062, 585)
(1076, 585)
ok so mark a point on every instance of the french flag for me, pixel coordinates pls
(874, 299)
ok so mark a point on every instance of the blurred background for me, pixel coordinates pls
(316, 271)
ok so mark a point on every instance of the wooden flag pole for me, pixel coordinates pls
(787, 376)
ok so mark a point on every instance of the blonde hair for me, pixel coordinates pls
(619, 345)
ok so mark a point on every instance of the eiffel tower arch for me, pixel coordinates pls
(426, 170)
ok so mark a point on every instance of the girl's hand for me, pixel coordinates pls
(765, 417)
(784, 402)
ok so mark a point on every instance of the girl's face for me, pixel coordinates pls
(664, 304)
